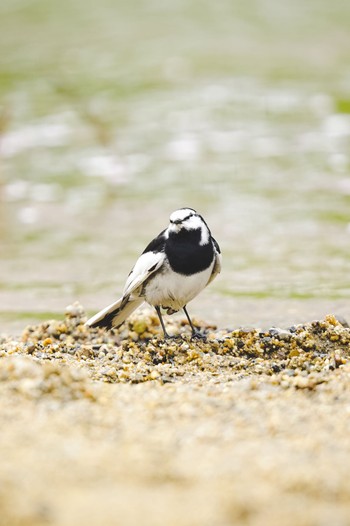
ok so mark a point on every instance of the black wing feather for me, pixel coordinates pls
(157, 244)
(216, 245)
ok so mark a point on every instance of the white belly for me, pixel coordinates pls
(171, 290)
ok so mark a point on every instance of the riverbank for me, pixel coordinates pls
(247, 427)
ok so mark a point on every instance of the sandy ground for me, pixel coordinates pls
(248, 427)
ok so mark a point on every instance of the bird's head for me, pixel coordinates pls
(188, 219)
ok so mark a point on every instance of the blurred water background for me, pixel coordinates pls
(114, 113)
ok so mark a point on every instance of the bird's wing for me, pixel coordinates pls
(217, 262)
(146, 265)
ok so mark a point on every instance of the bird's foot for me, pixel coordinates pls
(196, 335)
(168, 337)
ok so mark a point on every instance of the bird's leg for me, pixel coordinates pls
(166, 335)
(195, 333)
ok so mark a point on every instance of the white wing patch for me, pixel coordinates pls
(144, 267)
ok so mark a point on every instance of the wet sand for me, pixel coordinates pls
(247, 427)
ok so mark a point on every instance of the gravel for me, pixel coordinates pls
(121, 427)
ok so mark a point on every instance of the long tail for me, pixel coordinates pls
(115, 314)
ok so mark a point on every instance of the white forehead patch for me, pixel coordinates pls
(179, 215)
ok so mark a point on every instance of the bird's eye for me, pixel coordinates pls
(188, 217)
(179, 221)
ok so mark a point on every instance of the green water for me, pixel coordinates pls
(115, 113)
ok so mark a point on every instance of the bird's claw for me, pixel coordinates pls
(196, 335)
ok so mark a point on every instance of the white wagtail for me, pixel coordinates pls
(172, 270)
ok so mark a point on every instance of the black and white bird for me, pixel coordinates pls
(176, 266)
